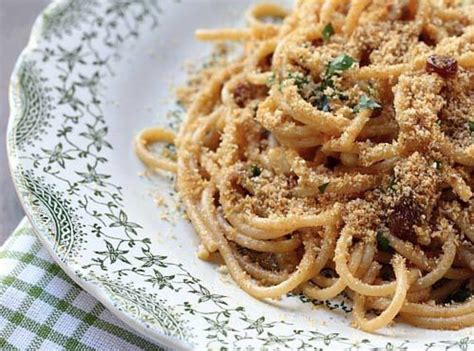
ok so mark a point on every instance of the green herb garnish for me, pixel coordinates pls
(316, 94)
(366, 102)
(471, 126)
(299, 78)
(334, 67)
(320, 99)
(339, 64)
(328, 31)
(382, 242)
(255, 171)
(322, 187)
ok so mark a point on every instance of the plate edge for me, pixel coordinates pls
(90, 287)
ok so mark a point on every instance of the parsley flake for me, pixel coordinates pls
(366, 102)
(471, 126)
(320, 99)
(255, 171)
(328, 31)
(382, 242)
(322, 187)
(341, 63)
(299, 78)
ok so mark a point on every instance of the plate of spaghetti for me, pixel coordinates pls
(257, 175)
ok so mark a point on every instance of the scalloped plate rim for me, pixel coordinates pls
(89, 286)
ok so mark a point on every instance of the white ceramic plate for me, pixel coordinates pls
(95, 73)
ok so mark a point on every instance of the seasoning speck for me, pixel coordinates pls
(328, 31)
(322, 187)
(382, 241)
(255, 171)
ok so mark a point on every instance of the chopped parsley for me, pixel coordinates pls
(328, 31)
(299, 78)
(320, 100)
(366, 102)
(471, 126)
(339, 64)
(255, 171)
(315, 93)
(322, 187)
(382, 242)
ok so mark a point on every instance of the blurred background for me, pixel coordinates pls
(16, 20)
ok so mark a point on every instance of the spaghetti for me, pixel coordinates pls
(337, 155)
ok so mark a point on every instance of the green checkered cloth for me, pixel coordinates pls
(41, 308)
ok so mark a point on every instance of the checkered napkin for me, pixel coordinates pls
(42, 309)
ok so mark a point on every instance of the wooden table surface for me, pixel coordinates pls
(16, 20)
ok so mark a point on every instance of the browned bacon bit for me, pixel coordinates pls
(444, 66)
(406, 213)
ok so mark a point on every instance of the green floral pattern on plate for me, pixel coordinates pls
(34, 105)
(60, 148)
(54, 213)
